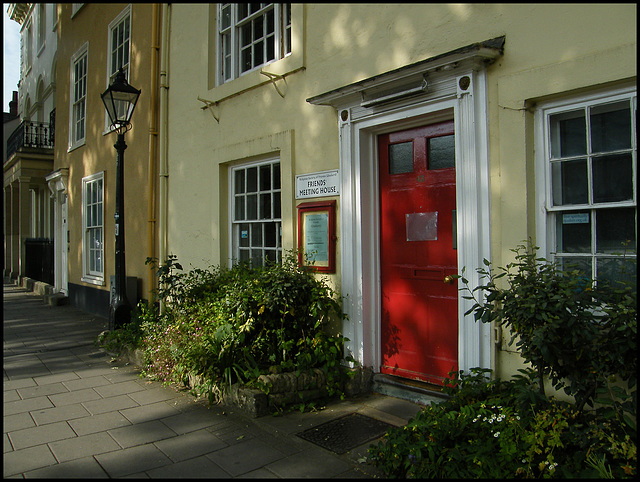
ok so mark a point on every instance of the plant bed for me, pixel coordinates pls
(232, 333)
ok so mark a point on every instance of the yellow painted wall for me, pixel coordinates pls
(91, 24)
(549, 50)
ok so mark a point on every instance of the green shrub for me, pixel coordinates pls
(504, 429)
(231, 325)
(557, 317)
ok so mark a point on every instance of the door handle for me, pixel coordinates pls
(449, 280)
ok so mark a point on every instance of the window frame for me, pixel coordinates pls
(235, 225)
(42, 26)
(547, 212)
(74, 141)
(230, 35)
(90, 275)
(111, 70)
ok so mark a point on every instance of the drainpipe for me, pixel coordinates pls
(153, 140)
(163, 140)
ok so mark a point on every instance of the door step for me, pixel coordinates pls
(413, 390)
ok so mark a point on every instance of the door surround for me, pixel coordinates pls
(58, 182)
(456, 88)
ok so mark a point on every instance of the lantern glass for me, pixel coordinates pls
(120, 100)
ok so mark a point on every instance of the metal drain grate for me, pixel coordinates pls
(345, 433)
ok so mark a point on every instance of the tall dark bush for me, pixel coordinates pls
(577, 333)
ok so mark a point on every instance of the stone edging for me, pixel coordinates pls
(285, 388)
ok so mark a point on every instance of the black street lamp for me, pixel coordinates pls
(120, 100)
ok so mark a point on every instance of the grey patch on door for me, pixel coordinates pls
(422, 226)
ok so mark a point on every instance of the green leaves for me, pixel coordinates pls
(231, 325)
(493, 429)
(567, 327)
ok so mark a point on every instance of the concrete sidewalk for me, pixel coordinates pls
(71, 411)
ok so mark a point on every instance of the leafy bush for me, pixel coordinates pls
(504, 429)
(231, 325)
(557, 317)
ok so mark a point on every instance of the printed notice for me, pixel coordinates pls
(316, 237)
(575, 218)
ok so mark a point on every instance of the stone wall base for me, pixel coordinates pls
(282, 389)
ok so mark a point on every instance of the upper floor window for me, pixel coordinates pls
(27, 55)
(119, 50)
(251, 35)
(590, 157)
(42, 25)
(78, 96)
(119, 44)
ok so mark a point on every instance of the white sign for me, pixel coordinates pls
(318, 184)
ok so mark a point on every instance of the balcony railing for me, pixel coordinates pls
(38, 135)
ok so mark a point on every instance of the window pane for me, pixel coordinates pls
(258, 26)
(569, 182)
(610, 127)
(270, 235)
(401, 158)
(573, 232)
(612, 178)
(265, 178)
(613, 270)
(256, 257)
(239, 182)
(276, 205)
(258, 53)
(568, 134)
(256, 235)
(276, 176)
(265, 206)
(252, 179)
(582, 264)
(616, 231)
(271, 48)
(242, 11)
(225, 19)
(441, 152)
(252, 207)
(245, 62)
(244, 236)
(239, 209)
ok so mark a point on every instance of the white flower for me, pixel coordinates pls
(496, 434)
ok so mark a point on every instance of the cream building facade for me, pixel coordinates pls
(534, 107)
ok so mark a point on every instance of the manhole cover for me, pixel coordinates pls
(345, 433)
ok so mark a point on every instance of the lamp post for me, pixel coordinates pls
(120, 100)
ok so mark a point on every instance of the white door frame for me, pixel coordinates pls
(58, 182)
(459, 93)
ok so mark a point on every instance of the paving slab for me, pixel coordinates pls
(83, 446)
(30, 437)
(84, 468)
(98, 423)
(141, 433)
(191, 445)
(133, 460)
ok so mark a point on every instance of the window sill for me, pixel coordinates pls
(76, 145)
(93, 280)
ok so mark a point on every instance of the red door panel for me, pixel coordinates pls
(418, 250)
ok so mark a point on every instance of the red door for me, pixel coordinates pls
(418, 252)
